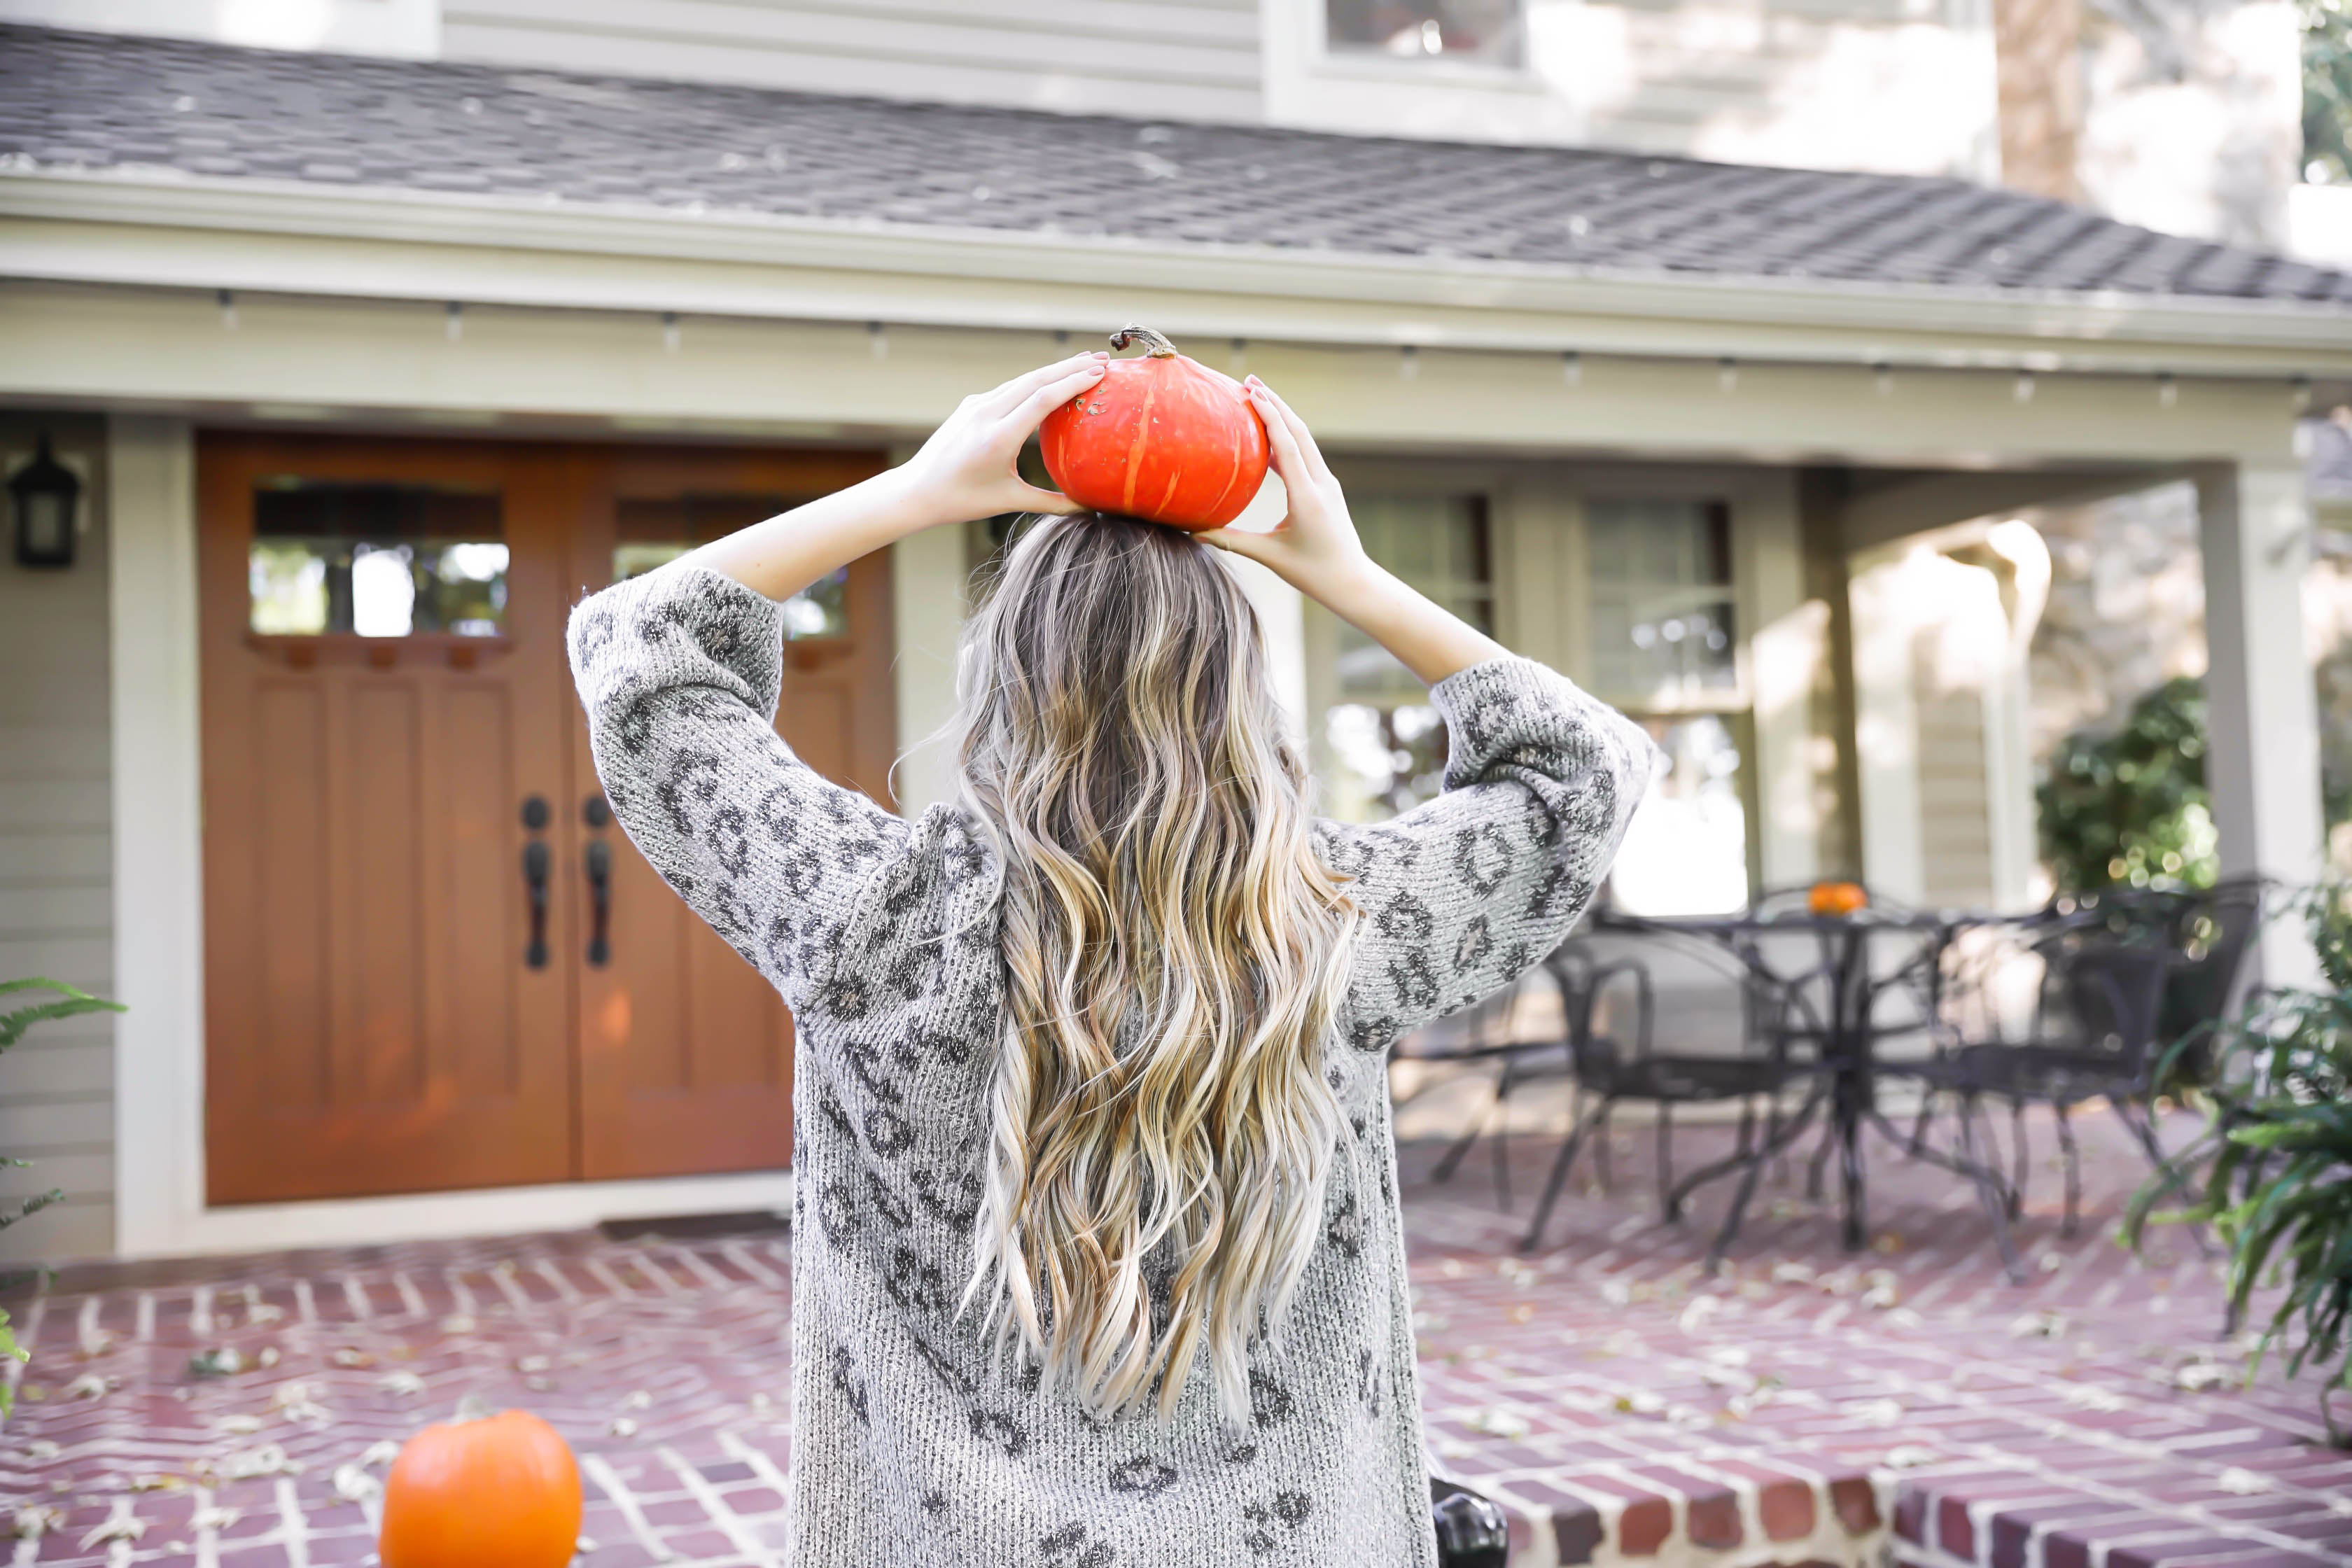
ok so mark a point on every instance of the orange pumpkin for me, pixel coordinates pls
(1163, 437)
(1837, 898)
(502, 1493)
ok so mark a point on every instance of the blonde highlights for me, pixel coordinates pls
(1162, 1135)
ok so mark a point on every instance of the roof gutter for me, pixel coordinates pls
(101, 226)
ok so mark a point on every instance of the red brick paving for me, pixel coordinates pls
(1804, 1410)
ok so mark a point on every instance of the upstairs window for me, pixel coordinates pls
(1478, 32)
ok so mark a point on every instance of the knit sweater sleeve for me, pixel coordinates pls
(680, 671)
(1465, 892)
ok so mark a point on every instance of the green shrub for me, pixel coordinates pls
(2130, 809)
(2272, 1174)
(71, 1003)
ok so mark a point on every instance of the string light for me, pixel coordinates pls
(1408, 362)
(1571, 368)
(877, 338)
(2168, 391)
(2303, 394)
(229, 310)
(1726, 373)
(453, 321)
(1881, 379)
(1239, 358)
(670, 334)
(2023, 389)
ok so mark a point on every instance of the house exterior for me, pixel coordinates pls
(378, 331)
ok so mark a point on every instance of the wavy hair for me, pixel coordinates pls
(1162, 1135)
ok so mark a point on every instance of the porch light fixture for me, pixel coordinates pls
(46, 496)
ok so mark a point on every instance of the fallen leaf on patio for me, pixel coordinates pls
(584, 1546)
(298, 1402)
(1617, 1293)
(1877, 1412)
(262, 1312)
(239, 1425)
(2245, 1483)
(1910, 1455)
(473, 1407)
(123, 1527)
(1517, 1270)
(215, 1518)
(1724, 1377)
(1728, 1356)
(1453, 1269)
(269, 1460)
(458, 1323)
(534, 1364)
(1881, 1297)
(2042, 1325)
(1696, 1315)
(381, 1453)
(40, 1451)
(623, 1427)
(1794, 1274)
(33, 1393)
(267, 1357)
(1524, 1312)
(2200, 1375)
(1641, 1402)
(1905, 1317)
(88, 1386)
(2092, 1396)
(33, 1523)
(351, 1357)
(1499, 1423)
(157, 1482)
(1886, 1244)
(96, 1343)
(406, 1384)
(353, 1484)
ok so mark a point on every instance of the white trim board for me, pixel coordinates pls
(190, 231)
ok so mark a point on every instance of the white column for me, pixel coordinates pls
(1788, 642)
(927, 612)
(157, 835)
(2263, 762)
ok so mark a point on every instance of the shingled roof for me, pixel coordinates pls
(130, 106)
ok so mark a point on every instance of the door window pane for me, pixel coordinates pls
(654, 533)
(1385, 744)
(1662, 600)
(1686, 851)
(1487, 31)
(376, 560)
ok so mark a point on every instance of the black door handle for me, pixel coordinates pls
(600, 894)
(535, 861)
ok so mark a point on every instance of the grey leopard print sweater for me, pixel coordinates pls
(907, 1450)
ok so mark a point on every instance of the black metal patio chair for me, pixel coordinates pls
(1610, 1072)
(2094, 1034)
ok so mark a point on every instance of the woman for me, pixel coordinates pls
(1097, 1257)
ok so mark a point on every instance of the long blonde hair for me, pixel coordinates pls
(1161, 1134)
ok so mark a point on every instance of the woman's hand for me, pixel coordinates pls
(1314, 548)
(968, 468)
(1317, 552)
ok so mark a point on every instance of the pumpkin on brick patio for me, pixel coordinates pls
(1163, 437)
(501, 1492)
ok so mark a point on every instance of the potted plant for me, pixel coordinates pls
(2272, 1173)
(71, 1003)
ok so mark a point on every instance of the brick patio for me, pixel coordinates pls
(1804, 1409)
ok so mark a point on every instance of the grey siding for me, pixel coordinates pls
(1193, 59)
(57, 1088)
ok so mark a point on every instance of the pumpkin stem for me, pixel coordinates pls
(1154, 345)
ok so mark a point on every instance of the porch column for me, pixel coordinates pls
(2263, 762)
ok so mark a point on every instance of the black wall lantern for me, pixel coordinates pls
(46, 500)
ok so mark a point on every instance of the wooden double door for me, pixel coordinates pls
(433, 960)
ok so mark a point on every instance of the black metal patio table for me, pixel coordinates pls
(1830, 1001)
